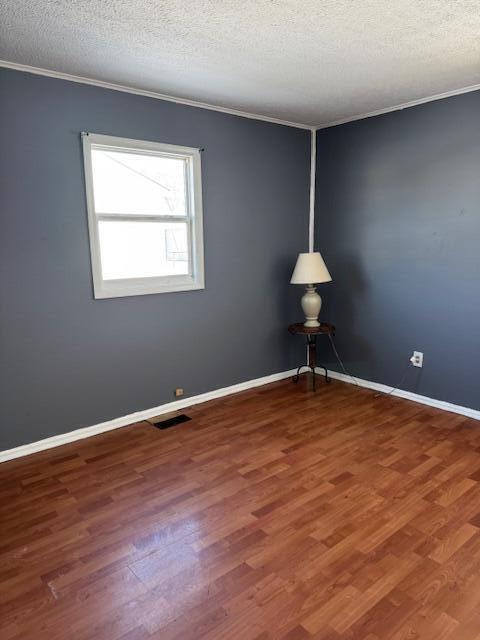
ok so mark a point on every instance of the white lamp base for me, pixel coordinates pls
(311, 305)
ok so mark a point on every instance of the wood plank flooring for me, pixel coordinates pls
(273, 514)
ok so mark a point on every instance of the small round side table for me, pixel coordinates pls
(311, 334)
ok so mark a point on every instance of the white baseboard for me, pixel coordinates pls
(137, 416)
(408, 395)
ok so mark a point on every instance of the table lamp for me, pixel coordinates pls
(310, 270)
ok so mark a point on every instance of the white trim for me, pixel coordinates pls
(313, 174)
(193, 218)
(234, 112)
(138, 416)
(407, 395)
(148, 94)
(404, 105)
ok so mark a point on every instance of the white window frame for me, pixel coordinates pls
(149, 285)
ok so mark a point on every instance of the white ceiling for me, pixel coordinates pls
(307, 61)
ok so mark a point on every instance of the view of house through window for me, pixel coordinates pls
(144, 206)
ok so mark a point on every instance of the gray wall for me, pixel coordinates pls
(398, 220)
(70, 361)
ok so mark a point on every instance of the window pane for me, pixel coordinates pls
(143, 249)
(138, 184)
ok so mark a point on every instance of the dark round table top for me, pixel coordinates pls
(300, 328)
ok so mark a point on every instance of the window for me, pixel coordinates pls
(145, 216)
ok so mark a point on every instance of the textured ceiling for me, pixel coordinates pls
(307, 61)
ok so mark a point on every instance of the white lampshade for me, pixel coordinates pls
(310, 269)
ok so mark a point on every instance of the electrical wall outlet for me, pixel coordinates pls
(417, 359)
(178, 392)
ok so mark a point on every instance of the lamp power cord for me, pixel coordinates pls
(354, 380)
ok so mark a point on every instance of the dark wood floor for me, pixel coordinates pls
(276, 513)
